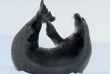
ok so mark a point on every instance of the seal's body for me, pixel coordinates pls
(71, 54)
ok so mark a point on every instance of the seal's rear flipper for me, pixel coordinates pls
(43, 7)
(42, 2)
(44, 11)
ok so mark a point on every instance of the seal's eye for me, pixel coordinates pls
(77, 21)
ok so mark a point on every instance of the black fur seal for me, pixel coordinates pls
(71, 54)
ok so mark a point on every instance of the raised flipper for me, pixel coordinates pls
(52, 33)
(43, 11)
(47, 18)
(43, 15)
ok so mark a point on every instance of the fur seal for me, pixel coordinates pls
(71, 54)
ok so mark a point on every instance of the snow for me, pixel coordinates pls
(99, 62)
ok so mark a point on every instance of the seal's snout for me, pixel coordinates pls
(77, 16)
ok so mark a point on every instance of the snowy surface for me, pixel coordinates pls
(99, 63)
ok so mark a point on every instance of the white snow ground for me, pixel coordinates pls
(99, 63)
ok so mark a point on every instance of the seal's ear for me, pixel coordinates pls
(84, 20)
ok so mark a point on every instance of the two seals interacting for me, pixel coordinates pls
(71, 54)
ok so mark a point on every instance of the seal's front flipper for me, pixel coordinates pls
(48, 17)
(52, 33)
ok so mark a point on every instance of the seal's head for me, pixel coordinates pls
(79, 22)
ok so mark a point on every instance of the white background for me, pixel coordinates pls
(15, 13)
